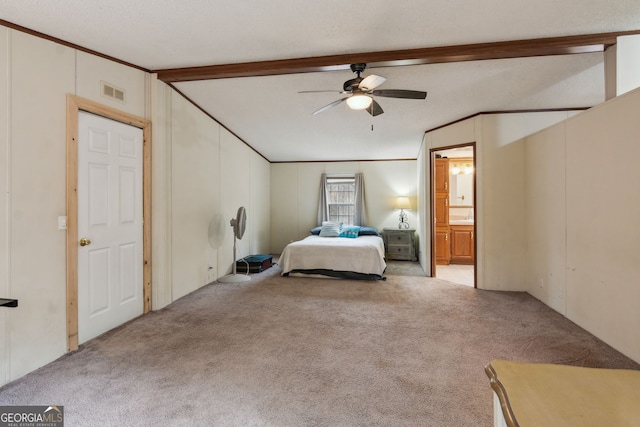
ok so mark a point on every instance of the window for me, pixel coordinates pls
(341, 199)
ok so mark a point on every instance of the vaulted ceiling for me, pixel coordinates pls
(246, 62)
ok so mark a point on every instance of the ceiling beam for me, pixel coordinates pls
(430, 55)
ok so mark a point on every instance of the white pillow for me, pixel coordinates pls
(330, 229)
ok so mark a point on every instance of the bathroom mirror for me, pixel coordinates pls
(461, 182)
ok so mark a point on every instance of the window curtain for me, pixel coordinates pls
(323, 206)
(360, 214)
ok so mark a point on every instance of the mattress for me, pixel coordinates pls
(358, 258)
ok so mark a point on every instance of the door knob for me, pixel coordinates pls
(84, 241)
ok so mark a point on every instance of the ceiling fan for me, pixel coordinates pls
(361, 91)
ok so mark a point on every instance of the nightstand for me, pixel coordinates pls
(400, 244)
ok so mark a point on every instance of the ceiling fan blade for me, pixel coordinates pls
(321, 91)
(375, 108)
(371, 82)
(400, 93)
(326, 107)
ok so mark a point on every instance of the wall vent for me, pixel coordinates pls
(110, 91)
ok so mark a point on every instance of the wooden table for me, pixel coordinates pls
(530, 394)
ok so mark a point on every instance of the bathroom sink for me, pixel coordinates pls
(461, 222)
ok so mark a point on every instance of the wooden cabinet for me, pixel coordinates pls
(462, 244)
(441, 176)
(400, 244)
(441, 210)
(442, 246)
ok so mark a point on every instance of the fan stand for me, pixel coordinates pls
(233, 277)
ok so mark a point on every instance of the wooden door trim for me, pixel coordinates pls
(432, 240)
(432, 210)
(76, 104)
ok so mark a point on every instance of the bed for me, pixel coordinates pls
(360, 257)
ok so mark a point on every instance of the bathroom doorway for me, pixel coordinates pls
(453, 214)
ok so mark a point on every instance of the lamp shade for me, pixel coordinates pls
(402, 202)
(359, 102)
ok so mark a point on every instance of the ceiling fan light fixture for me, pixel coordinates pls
(359, 102)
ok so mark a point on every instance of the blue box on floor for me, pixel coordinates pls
(254, 263)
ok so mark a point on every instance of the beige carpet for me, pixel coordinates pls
(404, 268)
(409, 351)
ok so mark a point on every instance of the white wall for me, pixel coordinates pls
(199, 171)
(202, 174)
(583, 246)
(545, 216)
(259, 207)
(5, 280)
(36, 76)
(295, 191)
(245, 180)
(423, 213)
(161, 197)
(195, 196)
(205, 173)
(500, 161)
(92, 70)
(627, 63)
(38, 84)
(556, 211)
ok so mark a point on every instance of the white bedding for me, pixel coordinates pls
(364, 255)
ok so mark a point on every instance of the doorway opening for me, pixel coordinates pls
(453, 214)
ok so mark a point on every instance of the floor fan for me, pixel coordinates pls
(239, 224)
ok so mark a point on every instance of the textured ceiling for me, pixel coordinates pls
(269, 114)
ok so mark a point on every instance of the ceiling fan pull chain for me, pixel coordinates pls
(372, 116)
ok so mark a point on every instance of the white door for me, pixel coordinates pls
(110, 228)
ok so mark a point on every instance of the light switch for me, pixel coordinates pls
(62, 223)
